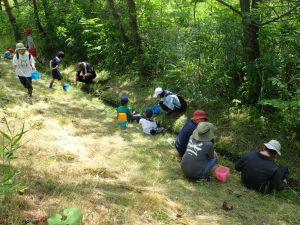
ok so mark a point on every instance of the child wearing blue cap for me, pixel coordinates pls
(149, 125)
(123, 108)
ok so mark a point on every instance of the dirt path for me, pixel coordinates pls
(78, 157)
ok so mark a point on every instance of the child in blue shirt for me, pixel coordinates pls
(54, 67)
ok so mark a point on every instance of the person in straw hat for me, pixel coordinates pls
(24, 64)
(200, 158)
(260, 172)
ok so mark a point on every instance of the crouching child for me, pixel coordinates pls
(149, 125)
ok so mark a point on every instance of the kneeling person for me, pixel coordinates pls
(259, 171)
(85, 73)
(187, 130)
(169, 101)
(199, 158)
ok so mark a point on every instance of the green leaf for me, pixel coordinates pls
(55, 219)
(5, 135)
(18, 137)
(73, 217)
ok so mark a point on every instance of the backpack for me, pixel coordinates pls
(18, 56)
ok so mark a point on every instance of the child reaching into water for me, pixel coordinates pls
(149, 125)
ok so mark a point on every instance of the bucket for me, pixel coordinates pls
(35, 75)
(222, 173)
(67, 86)
(156, 110)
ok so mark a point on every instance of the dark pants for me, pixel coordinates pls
(27, 82)
(135, 117)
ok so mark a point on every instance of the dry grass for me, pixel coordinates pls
(78, 157)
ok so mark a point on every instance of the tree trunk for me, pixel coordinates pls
(252, 49)
(37, 18)
(12, 20)
(135, 38)
(117, 19)
(47, 11)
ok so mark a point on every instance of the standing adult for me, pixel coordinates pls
(30, 43)
(169, 101)
(187, 130)
(85, 73)
(260, 172)
(200, 158)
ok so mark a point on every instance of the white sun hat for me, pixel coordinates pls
(274, 145)
(157, 91)
(20, 46)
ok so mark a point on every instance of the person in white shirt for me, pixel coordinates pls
(149, 125)
(170, 102)
(24, 65)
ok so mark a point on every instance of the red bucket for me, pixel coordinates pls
(222, 173)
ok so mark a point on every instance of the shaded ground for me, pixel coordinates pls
(78, 157)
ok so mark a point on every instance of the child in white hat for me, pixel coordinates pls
(24, 64)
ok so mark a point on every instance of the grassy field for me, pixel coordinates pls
(76, 156)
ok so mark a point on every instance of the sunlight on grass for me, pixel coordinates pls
(77, 156)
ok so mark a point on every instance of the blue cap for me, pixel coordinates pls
(149, 113)
(124, 99)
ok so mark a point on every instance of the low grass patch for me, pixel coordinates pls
(78, 157)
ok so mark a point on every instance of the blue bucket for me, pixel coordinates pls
(67, 86)
(156, 109)
(35, 75)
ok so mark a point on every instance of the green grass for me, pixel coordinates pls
(78, 157)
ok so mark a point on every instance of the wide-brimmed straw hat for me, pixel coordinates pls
(204, 132)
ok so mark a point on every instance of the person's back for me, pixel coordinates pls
(184, 135)
(257, 171)
(197, 155)
(124, 109)
(148, 125)
(171, 100)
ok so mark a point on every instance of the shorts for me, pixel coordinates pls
(26, 81)
(56, 75)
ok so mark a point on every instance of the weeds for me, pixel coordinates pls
(10, 143)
